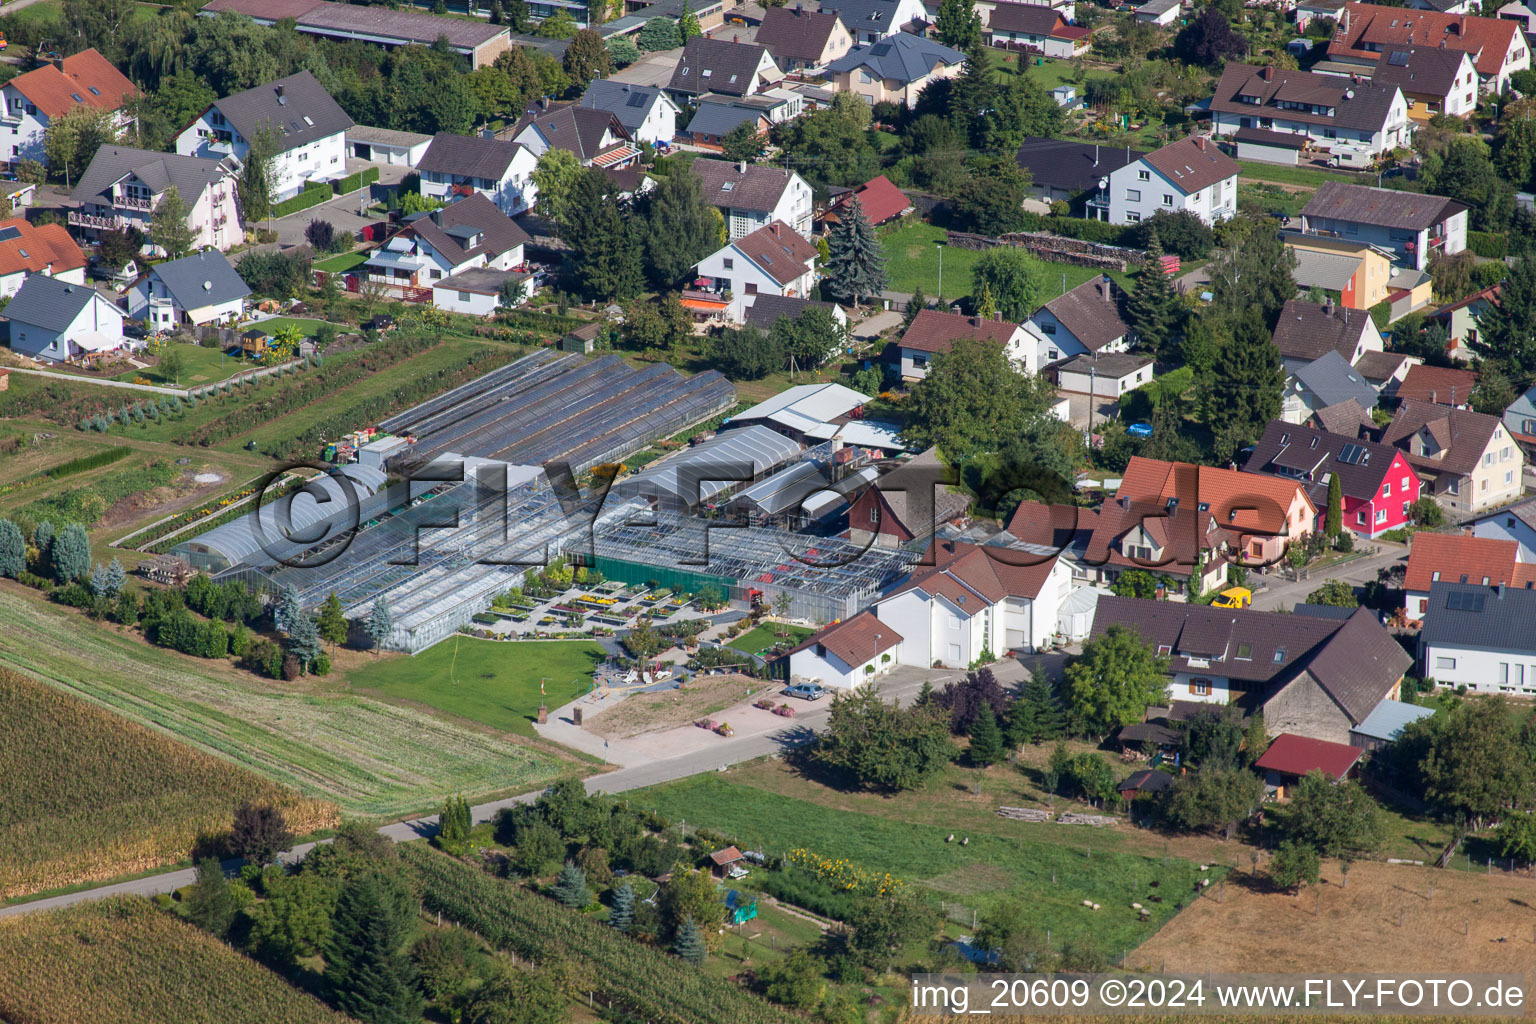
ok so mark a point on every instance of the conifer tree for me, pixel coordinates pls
(210, 904)
(690, 944)
(1333, 522)
(622, 914)
(288, 608)
(1037, 715)
(856, 260)
(98, 580)
(571, 887)
(454, 822)
(915, 305)
(1153, 306)
(380, 622)
(986, 739)
(304, 640)
(116, 577)
(13, 550)
(71, 554)
(333, 624)
(366, 967)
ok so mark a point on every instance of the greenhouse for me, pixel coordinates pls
(692, 477)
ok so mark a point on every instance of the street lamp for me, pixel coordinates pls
(877, 635)
(941, 243)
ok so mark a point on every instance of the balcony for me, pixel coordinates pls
(127, 202)
(94, 222)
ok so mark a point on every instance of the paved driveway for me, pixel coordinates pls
(344, 212)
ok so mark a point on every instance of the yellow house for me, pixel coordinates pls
(895, 69)
(1361, 274)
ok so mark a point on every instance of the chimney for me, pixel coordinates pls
(437, 217)
(997, 315)
(1095, 154)
(1200, 142)
(1328, 306)
(735, 37)
(1267, 73)
(1501, 591)
(1104, 287)
(975, 321)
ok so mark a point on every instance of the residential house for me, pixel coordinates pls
(646, 112)
(1433, 79)
(895, 69)
(34, 99)
(1324, 382)
(751, 196)
(27, 249)
(1367, 31)
(907, 504)
(1071, 172)
(802, 40)
(55, 321)
(481, 291)
(719, 65)
(1308, 11)
(595, 137)
(1438, 385)
(1521, 14)
(1411, 225)
(1517, 522)
(456, 166)
(1471, 460)
(1520, 418)
(198, 289)
(1463, 559)
(308, 131)
(1107, 375)
(1481, 638)
(1161, 13)
(386, 145)
(1385, 725)
(1192, 175)
(122, 187)
(1088, 319)
(1360, 274)
(712, 122)
(1306, 331)
(471, 234)
(773, 260)
(1312, 676)
(1385, 371)
(971, 604)
(934, 332)
(1347, 419)
(871, 20)
(1377, 485)
(879, 199)
(1461, 321)
(856, 650)
(1037, 29)
(766, 310)
(1290, 758)
(19, 194)
(1356, 122)
(1444, 6)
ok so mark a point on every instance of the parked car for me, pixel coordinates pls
(1234, 597)
(805, 691)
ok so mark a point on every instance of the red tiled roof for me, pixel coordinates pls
(87, 78)
(880, 199)
(854, 640)
(729, 855)
(781, 253)
(1384, 29)
(1482, 560)
(962, 573)
(1442, 385)
(1290, 754)
(936, 331)
(36, 249)
(1229, 495)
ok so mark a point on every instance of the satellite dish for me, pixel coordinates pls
(1103, 183)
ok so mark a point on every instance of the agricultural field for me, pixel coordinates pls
(492, 682)
(367, 756)
(86, 795)
(122, 961)
(1002, 860)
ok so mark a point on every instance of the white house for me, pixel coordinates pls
(751, 196)
(455, 166)
(1106, 375)
(197, 289)
(55, 321)
(480, 291)
(1086, 320)
(1161, 13)
(1191, 175)
(934, 332)
(1413, 226)
(975, 604)
(647, 112)
(34, 99)
(471, 234)
(596, 137)
(847, 653)
(1041, 29)
(773, 260)
(123, 186)
(27, 249)
(1517, 522)
(1355, 121)
(308, 129)
(1480, 637)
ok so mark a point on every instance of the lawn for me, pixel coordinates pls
(305, 324)
(493, 682)
(201, 366)
(1286, 175)
(912, 261)
(341, 263)
(368, 756)
(1052, 878)
(755, 641)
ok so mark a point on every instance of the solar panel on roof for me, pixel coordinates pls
(1465, 601)
(8, 233)
(635, 100)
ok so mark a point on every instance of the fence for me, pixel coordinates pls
(1055, 248)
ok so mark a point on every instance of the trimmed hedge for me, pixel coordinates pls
(1381, 313)
(1491, 245)
(315, 193)
(353, 182)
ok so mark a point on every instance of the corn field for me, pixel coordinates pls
(646, 982)
(85, 795)
(122, 961)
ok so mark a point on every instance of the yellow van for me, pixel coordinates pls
(1236, 597)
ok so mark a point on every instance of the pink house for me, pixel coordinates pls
(1377, 483)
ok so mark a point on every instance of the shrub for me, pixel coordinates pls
(311, 196)
(1488, 244)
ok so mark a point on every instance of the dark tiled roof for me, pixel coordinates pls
(1015, 17)
(1076, 166)
(1333, 380)
(716, 65)
(1306, 330)
(1347, 419)
(1312, 454)
(865, 15)
(1463, 435)
(1092, 316)
(766, 309)
(1421, 70)
(713, 118)
(297, 107)
(1147, 780)
(1379, 207)
(629, 103)
(1366, 110)
(902, 57)
(579, 130)
(1440, 385)
(469, 156)
(202, 279)
(1285, 140)
(1192, 164)
(1379, 365)
(935, 331)
(498, 232)
(854, 640)
(758, 188)
(779, 250)
(1477, 616)
(796, 34)
(1290, 754)
(48, 303)
(1110, 364)
(190, 174)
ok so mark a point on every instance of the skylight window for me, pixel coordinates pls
(76, 97)
(95, 91)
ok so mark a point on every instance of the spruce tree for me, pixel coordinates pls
(288, 610)
(915, 305)
(690, 944)
(116, 577)
(1243, 391)
(42, 539)
(210, 904)
(1507, 328)
(98, 580)
(380, 622)
(1333, 521)
(1037, 714)
(333, 624)
(571, 887)
(1153, 306)
(304, 640)
(622, 914)
(856, 260)
(986, 739)
(366, 967)
(71, 554)
(13, 550)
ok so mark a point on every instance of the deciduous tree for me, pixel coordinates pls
(555, 177)
(169, 226)
(1113, 681)
(680, 229)
(71, 140)
(1335, 818)
(1016, 280)
(259, 833)
(1215, 797)
(882, 745)
(586, 58)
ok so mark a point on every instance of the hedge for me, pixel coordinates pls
(315, 193)
(1491, 245)
(1381, 314)
(353, 182)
